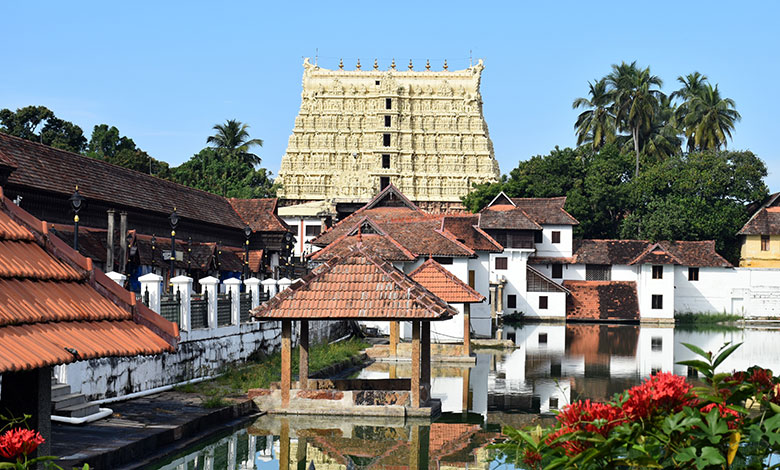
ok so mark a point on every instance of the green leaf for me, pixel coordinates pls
(711, 456)
(724, 354)
(774, 407)
(698, 350)
(701, 366)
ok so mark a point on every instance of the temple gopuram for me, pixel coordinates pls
(359, 130)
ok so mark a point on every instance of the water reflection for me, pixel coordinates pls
(550, 366)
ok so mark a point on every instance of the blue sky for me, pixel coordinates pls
(164, 73)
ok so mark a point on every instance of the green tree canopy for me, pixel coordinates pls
(107, 144)
(39, 124)
(233, 136)
(220, 172)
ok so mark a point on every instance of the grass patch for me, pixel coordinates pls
(262, 371)
(700, 318)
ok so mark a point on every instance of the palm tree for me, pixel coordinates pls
(693, 86)
(663, 140)
(635, 101)
(233, 137)
(710, 119)
(595, 125)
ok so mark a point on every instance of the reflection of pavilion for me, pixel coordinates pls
(365, 443)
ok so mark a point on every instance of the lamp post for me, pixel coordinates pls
(76, 202)
(174, 220)
(154, 252)
(247, 234)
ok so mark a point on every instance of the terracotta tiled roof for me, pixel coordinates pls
(49, 169)
(519, 213)
(358, 286)
(381, 244)
(260, 214)
(546, 210)
(445, 285)
(256, 261)
(52, 299)
(602, 300)
(506, 217)
(685, 253)
(608, 251)
(765, 220)
(465, 229)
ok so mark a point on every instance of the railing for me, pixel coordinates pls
(224, 305)
(170, 306)
(244, 306)
(199, 311)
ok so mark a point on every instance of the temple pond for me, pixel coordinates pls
(550, 366)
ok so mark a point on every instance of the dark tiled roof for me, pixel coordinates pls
(256, 261)
(49, 169)
(546, 210)
(766, 220)
(685, 253)
(602, 300)
(381, 244)
(608, 251)
(445, 285)
(358, 286)
(260, 214)
(506, 217)
(466, 231)
(52, 299)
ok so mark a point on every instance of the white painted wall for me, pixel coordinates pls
(556, 304)
(303, 247)
(647, 287)
(655, 350)
(548, 248)
(480, 313)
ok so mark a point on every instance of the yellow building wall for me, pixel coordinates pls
(751, 255)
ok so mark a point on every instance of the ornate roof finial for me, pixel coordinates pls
(427, 64)
(410, 64)
(445, 64)
(376, 64)
(358, 64)
(392, 65)
(341, 64)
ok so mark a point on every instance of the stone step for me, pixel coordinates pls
(65, 401)
(79, 411)
(58, 390)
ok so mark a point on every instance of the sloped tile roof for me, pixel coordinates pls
(358, 286)
(602, 300)
(260, 214)
(546, 210)
(608, 251)
(445, 285)
(52, 299)
(256, 261)
(49, 169)
(465, 229)
(381, 244)
(506, 217)
(765, 218)
(684, 253)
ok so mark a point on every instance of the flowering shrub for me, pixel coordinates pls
(15, 444)
(731, 421)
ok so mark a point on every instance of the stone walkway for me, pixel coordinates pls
(143, 430)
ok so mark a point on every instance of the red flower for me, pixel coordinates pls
(761, 378)
(586, 416)
(731, 416)
(532, 458)
(664, 392)
(17, 442)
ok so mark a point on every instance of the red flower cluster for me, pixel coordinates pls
(664, 392)
(17, 442)
(589, 417)
(732, 416)
(761, 378)
(532, 458)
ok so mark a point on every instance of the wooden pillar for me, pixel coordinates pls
(284, 442)
(394, 334)
(467, 330)
(466, 405)
(303, 364)
(286, 361)
(416, 363)
(418, 447)
(300, 453)
(425, 359)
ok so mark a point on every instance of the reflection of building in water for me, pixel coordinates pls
(240, 450)
(759, 347)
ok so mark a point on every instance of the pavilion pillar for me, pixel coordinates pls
(284, 440)
(467, 330)
(415, 364)
(303, 364)
(394, 330)
(466, 405)
(418, 447)
(286, 361)
(425, 359)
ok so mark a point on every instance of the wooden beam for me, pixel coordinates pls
(394, 327)
(467, 330)
(286, 361)
(416, 363)
(303, 364)
(425, 359)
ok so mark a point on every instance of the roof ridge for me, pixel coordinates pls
(430, 262)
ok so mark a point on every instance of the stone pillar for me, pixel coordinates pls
(269, 285)
(394, 334)
(493, 303)
(122, 241)
(210, 284)
(110, 240)
(253, 287)
(29, 392)
(425, 359)
(119, 278)
(466, 330)
(415, 363)
(286, 361)
(284, 283)
(152, 283)
(303, 363)
(500, 298)
(233, 286)
(251, 451)
(183, 285)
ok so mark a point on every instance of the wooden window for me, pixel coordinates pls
(557, 271)
(384, 181)
(511, 301)
(556, 236)
(553, 403)
(385, 160)
(500, 237)
(657, 302)
(693, 274)
(658, 272)
(386, 140)
(388, 103)
(442, 259)
(542, 302)
(472, 278)
(538, 236)
(313, 230)
(656, 343)
(598, 272)
(764, 242)
(542, 338)
(388, 120)
(501, 262)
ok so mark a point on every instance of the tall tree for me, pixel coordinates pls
(39, 124)
(692, 85)
(220, 172)
(595, 125)
(233, 136)
(107, 144)
(710, 119)
(635, 98)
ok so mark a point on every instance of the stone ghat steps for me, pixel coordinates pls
(72, 405)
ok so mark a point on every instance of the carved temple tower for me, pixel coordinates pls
(359, 130)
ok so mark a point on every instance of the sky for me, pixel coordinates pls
(164, 73)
